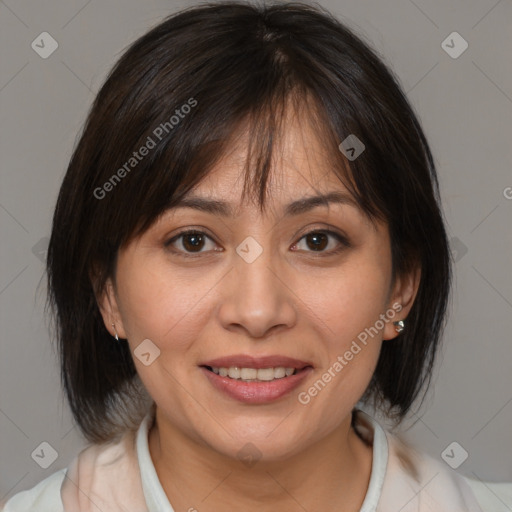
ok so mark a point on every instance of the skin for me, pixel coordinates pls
(290, 301)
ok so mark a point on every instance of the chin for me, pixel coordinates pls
(264, 443)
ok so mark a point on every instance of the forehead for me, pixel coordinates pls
(300, 167)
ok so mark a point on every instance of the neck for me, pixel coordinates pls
(332, 474)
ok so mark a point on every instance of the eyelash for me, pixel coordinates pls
(339, 237)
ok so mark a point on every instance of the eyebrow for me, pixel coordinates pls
(305, 204)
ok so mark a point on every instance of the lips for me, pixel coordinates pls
(246, 361)
(256, 391)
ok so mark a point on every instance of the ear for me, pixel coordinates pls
(109, 308)
(401, 300)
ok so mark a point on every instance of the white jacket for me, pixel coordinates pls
(120, 477)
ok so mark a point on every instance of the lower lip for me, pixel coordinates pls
(256, 392)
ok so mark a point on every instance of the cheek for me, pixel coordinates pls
(347, 305)
(162, 306)
(346, 311)
(348, 301)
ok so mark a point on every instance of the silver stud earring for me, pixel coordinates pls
(399, 325)
(116, 336)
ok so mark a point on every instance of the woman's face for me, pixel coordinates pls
(259, 290)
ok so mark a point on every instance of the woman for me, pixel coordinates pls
(248, 243)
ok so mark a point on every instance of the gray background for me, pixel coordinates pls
(465, 105)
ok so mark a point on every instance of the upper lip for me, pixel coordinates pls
(246, 361)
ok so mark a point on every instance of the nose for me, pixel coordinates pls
(256, 297)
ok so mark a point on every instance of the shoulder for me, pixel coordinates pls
(93, 470)
(43, 497)
(492, 496)
(418, 482)
(110, 473)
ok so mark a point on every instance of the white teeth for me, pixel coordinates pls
(252, 374)
(234, 372)
(280, 372)
(248, 373)
(266, 374)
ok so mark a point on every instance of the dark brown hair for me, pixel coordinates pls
(236, 64)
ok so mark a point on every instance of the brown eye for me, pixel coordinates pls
(191, 241)
(318, 241)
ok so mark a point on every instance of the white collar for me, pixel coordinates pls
(379, 462)
(156, 499)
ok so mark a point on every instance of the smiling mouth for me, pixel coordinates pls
(255, 374)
